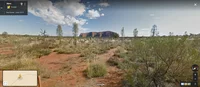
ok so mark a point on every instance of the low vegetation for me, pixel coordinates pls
(96, 70)
(146, 62)
(157, 62)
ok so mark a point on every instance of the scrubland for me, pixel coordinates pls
(132, 62)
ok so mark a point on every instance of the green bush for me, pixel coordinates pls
(4, 34)
(113, 61)
(96, 70)
(160, 61)
(43, 52)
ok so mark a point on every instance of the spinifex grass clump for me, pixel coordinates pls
(96, 70)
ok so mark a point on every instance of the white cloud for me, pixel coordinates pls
(93, 14)
(100, 9)
(70, 7)
(20, 20)
(64, 12)
(104, 4)
(152, 15)
(102, 14)
(145, 29)
(195, 4)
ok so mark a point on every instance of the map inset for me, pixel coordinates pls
(19, 78)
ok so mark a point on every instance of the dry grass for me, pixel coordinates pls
(96, 70)
(28, 49)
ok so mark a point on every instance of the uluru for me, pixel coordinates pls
(104, 34)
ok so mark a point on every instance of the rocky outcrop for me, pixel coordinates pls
(103, 34)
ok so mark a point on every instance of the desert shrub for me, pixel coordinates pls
(42, 52)
(85, 53)
(36, 50)
(120, 55)
(45, 73)
(96, 70)
(4, 34)
(21, 64)
(162, 60)
(90, 57)
(113, 61)
(65, 51)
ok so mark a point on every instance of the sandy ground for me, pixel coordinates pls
(75, 77)
(6, 49)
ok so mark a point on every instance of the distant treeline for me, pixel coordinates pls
(191, 35)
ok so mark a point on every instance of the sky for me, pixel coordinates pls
(175, 16)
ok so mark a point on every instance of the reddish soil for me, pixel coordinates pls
(6, 49)
(1, 79)
(114, 75)
(112, 79)
(75, 76)
(55, 61)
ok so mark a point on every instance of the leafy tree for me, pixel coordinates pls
(75, 32)
(4, 34)
(186, 34)
(59, 32)
(154, 30)
(115, 36)
(171, 33)
(122, 34)
(135, 32)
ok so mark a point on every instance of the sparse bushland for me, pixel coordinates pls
(26, 49)
(160, 61)
(147, 62)
(96, 70)
(23, 63)
(92, 46)
(120, 52)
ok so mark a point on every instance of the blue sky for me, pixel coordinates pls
(97, 16)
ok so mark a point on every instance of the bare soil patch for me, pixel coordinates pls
(6, 49)
(55, 61)
(75, 77)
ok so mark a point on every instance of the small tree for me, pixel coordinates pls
(135, 32)
(171, 33)
(122, 34)
(43, 33)
(4, 34)
(185, 34)
(59, 32)
(154, 30)
(75, 32)
(115, 36)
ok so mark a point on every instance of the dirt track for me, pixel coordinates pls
(75, 76)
